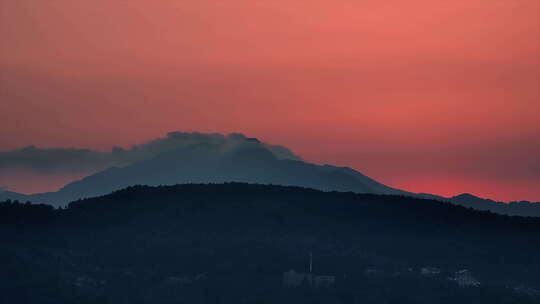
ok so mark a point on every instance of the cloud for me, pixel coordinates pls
(69, 160)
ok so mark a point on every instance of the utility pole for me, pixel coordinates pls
(310, 262)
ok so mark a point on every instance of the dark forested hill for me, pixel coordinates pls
(231, 243)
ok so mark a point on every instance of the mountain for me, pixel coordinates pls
(4, 195)
(250, 162)
(231, 243)
(522, 208)
(237, 158)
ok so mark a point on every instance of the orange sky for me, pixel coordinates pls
(427, 95)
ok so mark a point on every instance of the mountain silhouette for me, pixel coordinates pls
(251, 162)
(237, 158)
(522, 208)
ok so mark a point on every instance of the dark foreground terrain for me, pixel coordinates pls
(232, 243)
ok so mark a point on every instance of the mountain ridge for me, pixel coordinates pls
(251, 162)
(237, 158)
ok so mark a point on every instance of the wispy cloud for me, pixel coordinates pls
(70, 160)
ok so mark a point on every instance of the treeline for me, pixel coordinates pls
(137, 242)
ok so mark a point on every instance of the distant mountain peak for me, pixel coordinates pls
(183, 157)
(466, 196)
(216, 158)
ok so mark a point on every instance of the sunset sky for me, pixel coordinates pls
(430, 96)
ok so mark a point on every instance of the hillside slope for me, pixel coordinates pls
(137, 242)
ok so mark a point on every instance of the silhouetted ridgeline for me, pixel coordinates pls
(214, 158)
(231, 243)
(523, 208)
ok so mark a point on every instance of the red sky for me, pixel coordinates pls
(426, 95)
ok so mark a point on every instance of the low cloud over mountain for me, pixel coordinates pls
(70, 160)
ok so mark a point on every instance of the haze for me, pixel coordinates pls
(425, 95)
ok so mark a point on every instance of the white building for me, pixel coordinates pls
(292, 278)
(464, 279)
(324, 281)
(430, 271)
